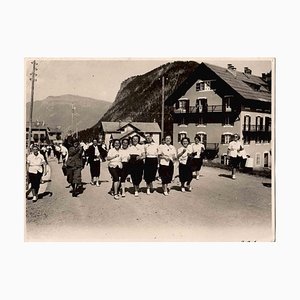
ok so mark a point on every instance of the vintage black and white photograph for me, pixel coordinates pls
(134, 150)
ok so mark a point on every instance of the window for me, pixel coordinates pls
(201, 104)
(201, 120)
(226, 138)
(227, 101)
(182, 121)
(36, 137)
(227, 121)
(246, 139)
(247, 122)
(268, 124)
(257, 159)
(259, 123)
(182, 105)
(203, 86)
(203, 137)
(42, 137)
(181, 135)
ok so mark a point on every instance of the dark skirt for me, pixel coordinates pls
(95, 168)
(185, 173)
(166, 173)
(115, 173)
(196, 164)
(234, 162)
(35, 180)
(136, 169)
(150, 169)
(124, 171)
(74, 175)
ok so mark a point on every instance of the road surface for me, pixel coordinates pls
(217, 209)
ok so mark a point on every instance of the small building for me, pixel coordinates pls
(216, 102)
(121, 130)
(41, 133)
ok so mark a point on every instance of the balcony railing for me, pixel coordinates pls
(202, 109)
(257, 128)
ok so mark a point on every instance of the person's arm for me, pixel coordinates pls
(110, 156)
(181, 153)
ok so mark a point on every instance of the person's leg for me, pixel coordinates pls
(188, 186)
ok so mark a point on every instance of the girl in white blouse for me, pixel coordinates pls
(135, 163)
(197, 161)
(235, 152)
(167, 155)
(125, 155)
(115, 166)
(151, 162)
(185, 169)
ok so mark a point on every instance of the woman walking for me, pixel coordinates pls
(197, 160)
(115, 166)
(167, 155)
(151, 162)
(125, 156)
(136, 164)
(235, 152)
(185, 169)
(93, 159)
(36, 168)
(74, 167)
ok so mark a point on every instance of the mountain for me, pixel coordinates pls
(139, 97)
(57, 110)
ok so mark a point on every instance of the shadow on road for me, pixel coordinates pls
(41, 196)
(176, 188)
(225, 175)
(267, 184)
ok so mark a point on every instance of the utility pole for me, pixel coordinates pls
(163, 107)
(72, 128)
(33, 79)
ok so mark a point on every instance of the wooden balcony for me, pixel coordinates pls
(202, 109)
(257, 128)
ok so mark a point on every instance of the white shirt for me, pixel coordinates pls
(169, 151)
(115, 162)
(151, 150)
(197, 148)
(35, 163)
(125, 154)
(234, 148)
(136, 150)
(184, 157)
(64, 152)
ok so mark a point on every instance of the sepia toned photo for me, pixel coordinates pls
(145, 150)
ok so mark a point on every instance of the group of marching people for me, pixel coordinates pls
(129, 157)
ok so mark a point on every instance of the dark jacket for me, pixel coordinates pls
(91, 152)
(75, 157)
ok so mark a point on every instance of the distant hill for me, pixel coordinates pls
(57, 110)
(139, 98)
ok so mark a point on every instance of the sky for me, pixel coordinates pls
(101, 79)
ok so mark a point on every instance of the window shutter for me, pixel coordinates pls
(187, 106)
(222, 139)
(204, 139)
(177, 104)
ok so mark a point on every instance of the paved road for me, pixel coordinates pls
(217, 209)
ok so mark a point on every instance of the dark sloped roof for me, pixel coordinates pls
(238, 83)
(141, 126)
